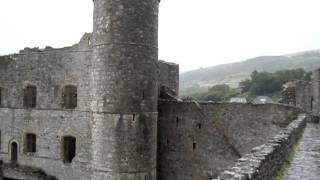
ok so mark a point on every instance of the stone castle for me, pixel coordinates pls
(107, 109)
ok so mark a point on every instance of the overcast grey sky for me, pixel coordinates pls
(193, 33)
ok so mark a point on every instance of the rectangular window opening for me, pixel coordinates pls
(30, 97)
(70, 97)
(31, 143)
(69, 148)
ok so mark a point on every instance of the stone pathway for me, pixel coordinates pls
(306, 162)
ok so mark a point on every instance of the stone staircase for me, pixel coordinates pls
(17, 172)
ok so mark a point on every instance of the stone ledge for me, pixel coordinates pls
(264, 161)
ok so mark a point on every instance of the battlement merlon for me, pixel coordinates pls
(169, 76)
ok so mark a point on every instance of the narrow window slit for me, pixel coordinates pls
(194, 146)
(0, 96)
(0, 139)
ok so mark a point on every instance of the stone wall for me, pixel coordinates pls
(169, 75)
(197, 141)
(316, 92)
(264, 161)
(288, 94)
(124, 88)
(50, 70)
(24, 173)
(50, 127)
(304, 96)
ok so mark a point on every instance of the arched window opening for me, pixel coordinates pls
(31, 143)
(14, 152)
(69, 148)
(70, 96)
(30, 97)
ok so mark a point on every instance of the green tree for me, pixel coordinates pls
(289, 75)
(264, 83)
(221, 92)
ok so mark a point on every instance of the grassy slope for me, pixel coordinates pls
(233, 73)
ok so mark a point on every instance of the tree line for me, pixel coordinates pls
(259, 83)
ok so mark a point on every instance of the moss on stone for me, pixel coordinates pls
(286, 164)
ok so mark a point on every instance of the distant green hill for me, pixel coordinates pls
(232, 74)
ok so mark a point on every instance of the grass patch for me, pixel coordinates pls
(288, 161)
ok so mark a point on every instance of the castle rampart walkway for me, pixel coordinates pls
(306, 161)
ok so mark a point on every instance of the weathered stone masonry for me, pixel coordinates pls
(93, 109)
(196, 141)
(316, 92)
(304, 95)
(308, 95)
(116, 76)
(50, 71)
(264, 161)
(124, 89)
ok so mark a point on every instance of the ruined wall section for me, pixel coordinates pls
(316, 92)
(169, 75)
(304, 97)
(197, 141)
(50, 70)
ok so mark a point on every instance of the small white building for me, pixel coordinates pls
(238, 100)
(262, 100)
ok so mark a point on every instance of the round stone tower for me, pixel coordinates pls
(124, 89)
